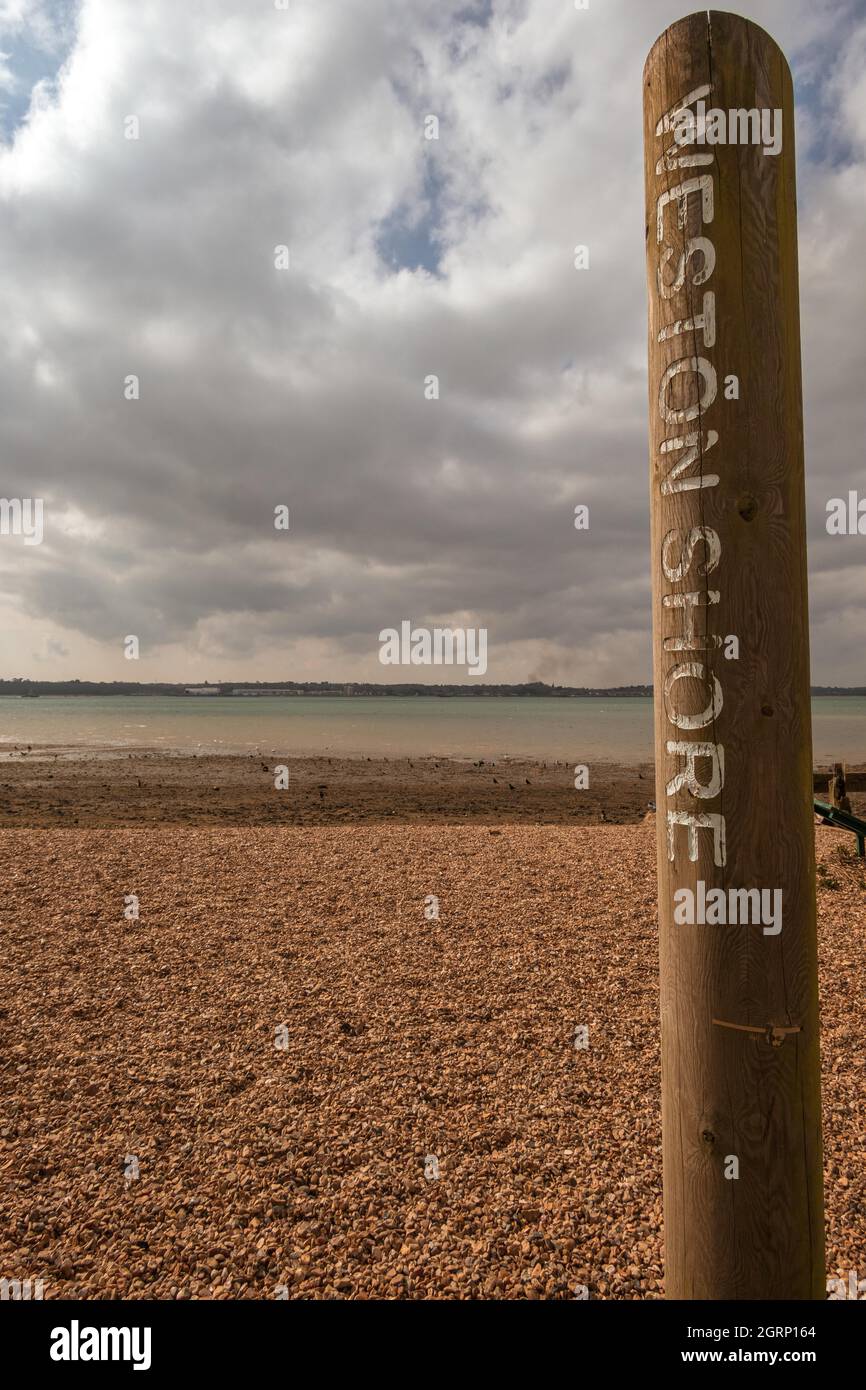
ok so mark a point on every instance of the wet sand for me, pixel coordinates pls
(87, 788)
(40, 788)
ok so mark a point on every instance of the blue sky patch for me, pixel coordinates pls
(407, 242)
(33, 51)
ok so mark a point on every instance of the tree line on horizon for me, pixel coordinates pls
(21, 686)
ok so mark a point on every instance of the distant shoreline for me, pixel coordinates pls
(26, 689)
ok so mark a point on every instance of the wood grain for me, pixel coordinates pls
(726, 1091)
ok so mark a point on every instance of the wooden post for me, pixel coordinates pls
(741, 1107)
(837, 789)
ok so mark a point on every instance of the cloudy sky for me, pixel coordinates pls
(261, 127)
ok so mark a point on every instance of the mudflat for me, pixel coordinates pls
(46, 787)
(43, 787)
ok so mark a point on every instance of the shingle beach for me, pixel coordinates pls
(290, 1077)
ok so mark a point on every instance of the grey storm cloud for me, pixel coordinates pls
(408, 258)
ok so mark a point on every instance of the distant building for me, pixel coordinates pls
(240, 691)
(202, 690)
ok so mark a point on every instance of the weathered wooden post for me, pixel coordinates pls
(736, 865)
(837, 788)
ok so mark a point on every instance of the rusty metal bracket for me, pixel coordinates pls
(773, 1033)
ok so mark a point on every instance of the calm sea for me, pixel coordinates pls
(474, 727)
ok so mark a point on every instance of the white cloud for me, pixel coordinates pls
(305, 127)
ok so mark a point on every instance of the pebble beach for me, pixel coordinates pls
(340, 1062)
